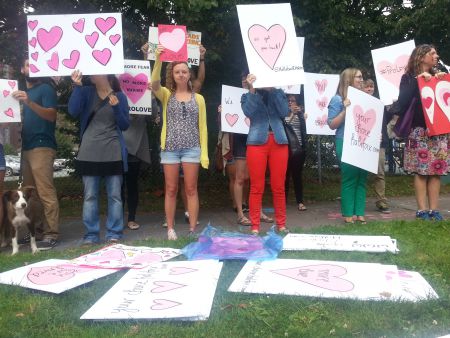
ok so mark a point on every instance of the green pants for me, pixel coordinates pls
(353, 186)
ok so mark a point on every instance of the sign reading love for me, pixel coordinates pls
(9, 106)
(174, 39)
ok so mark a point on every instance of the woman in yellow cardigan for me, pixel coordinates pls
(184, 138)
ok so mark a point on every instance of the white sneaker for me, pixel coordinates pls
(171, 235)
(186, 217)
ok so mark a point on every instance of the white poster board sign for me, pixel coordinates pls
(60, 44)
(413, 287)
(9, 106)
(340, 243)
(319, 89)
(233, 119)
(121, 256)
(328, 279)
(271, 45)
(389, 63)
(53, 275)
(134, 82)
(362, 134)
(173, 290)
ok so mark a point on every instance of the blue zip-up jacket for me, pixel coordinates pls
(81, 104)
(262, 116)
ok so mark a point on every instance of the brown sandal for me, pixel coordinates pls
(244, 221)
(133, 225)
(266, 219)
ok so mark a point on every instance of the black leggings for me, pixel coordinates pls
(130, 179)
(295, 168)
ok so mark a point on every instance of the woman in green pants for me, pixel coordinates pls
(353, 181)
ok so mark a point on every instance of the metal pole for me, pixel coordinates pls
(319, 159)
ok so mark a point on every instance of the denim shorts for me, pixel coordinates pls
(189, 155)
(2, 159)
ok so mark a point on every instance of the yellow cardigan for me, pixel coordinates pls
(163, 94)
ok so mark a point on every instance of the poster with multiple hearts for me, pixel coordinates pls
(389, 63)
(60, 44)
(328, 279)
(232, 117)
(302, 242)
(319, 89)
(134, 82)
(9, 106)
(173, 290)
(121, 256)
(53, 275)
(271, 45)
(174, 39)
(435, 96)
(413, 287)
(362, 134)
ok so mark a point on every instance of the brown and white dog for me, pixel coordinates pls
(22, 208)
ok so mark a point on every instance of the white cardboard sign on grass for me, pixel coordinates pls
(413, 287)
(9, 106)
(271, 45)
(173, 290)
(233, 119)
(53, 275)
(362, 134)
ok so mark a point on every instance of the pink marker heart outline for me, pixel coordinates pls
(12, 84)
(165, 286)
(79, 25)
(104, 25)
(321, 121)
(114, 39)
(322, 102)
(6, 93)
(102, 56)
(35, 56)
(32, 24)
(134, 87)
(163, 304)
(34, 69)
(231, 119)
(268, 51)
(91, 39)
(49, 39)
(32, 42)
(181, 270)
(174, 40)
(9, 112)
(72, 62)
(364, 122)
(427, 95)
(392, 72)
(47, 275)
(53, 63)
(321, 85)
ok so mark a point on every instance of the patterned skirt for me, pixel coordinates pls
(427, 155)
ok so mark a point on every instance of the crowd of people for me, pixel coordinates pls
(114, 144)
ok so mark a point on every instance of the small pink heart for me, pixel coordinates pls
(79, 25)
(102, 56)
(6, 93)
(321, 85)
(32, 24)
(164, 286)
(9, 112)
(35, 56)
(33, 68)
(53, 63)
(163, 304)
(322, 103)
(114, 39)
(73, 61)
(32, 42)
(104, 25)
(247, 121)
(180, 270)
(91, 39)
(231, 119)
(12, 84)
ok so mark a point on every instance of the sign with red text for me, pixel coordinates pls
(233, 119)
(174, 39)
(9, 106)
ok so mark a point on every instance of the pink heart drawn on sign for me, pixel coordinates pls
(9, 112)
(163, 304)
(164, 286)
(364, 122)
(321, 85)
(427, 95)
(49, 39)
(247, 121)
(91, 39)
(72, 62)
(102, 56)
(33, 68)
(47, 275)
(325, 276)
(104, 25)
(173, 40)
(79, 25)
(109, 254)
(32, 24)
(35, 56)
(231, 119)
(180, 270)
(32, 42)
(393, 72)
(268, 43)
(145, 258)
(322, 103)
(6, 93)
(321, 121)
(114, 39)
(53, 63)
(443, 97)
(12, 84)
(134, 87)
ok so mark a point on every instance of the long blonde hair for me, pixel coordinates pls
(346, 79)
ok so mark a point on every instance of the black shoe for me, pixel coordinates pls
(25, 239)
(47, 244)
(384, 209)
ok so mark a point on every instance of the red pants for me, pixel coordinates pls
(257, 158)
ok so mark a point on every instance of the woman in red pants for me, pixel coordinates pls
(266, 144)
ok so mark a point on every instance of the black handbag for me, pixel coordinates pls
(294, 144)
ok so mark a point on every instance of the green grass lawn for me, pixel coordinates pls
(424, 248)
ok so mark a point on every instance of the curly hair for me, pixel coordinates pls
(170, 81)
(414, 63)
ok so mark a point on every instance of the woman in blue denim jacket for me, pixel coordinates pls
(266, 144)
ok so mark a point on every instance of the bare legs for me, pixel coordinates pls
(427, 190)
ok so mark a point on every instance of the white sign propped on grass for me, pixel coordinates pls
(9, 106)
(413, 287)
(172, 290)
(53, 275)
(302, 242)
(233, 119)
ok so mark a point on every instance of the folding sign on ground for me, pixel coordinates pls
(389, 63)
(319, 89)
(53, 275)
(233, 119)
(134, 83)
(413, 287)
(328, 279)
(174, 39)
(435, 96)
(270, 43)
(362, 134)
(9, 106)
(121, 256)
(340, 243)
(173, 290)
(59, 44)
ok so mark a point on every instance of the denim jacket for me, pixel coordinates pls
(262, 116)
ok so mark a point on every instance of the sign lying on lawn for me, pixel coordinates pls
(53, 275)
(362, 134)
(271, 45)
(340, 243)
(232, 117)
(9, 106)
(172, 290)
(134, 84)
(121, 256)
(59, 44)
(413, 287)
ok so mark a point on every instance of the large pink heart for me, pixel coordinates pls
(174, 40)
(163, 304)
(231, 119)
(321, 85)
(427, 95)
(322, 103)
(393, 72)
(9, 112)
(364, 122)
(47, 275)
(443, 97)
(53, 63)
(32, 24)
(79, 25)
(49, 39)
(134, 87)
(268, 43)
(181, 270)
(91, 39)
(104, 25)
(164, 286)
(325, 276)
(72, 62)
(102, 56)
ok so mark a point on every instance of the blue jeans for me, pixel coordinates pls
(91, 216)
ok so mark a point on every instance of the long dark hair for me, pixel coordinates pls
(413, 66)
(114, 83)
